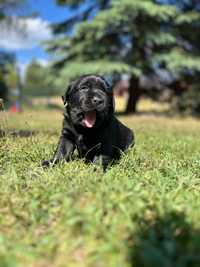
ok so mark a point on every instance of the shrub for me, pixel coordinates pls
(189, 102)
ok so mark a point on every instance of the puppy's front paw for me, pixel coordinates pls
(102, 160)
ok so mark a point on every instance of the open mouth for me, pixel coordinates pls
(89, 118)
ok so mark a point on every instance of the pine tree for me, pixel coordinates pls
(129, 36)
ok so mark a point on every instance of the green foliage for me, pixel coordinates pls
(71, 215)
(165, 240)
(188, 18)
(72, 70)
(123, 17)
(38, 81)
(178, 61)
(58, 45)
(136, 36)
(152, 31)
(161, 38)
(3, 87)
(189, 102)
(8, 75)
(12, 76)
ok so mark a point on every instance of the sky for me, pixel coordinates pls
(27, 45)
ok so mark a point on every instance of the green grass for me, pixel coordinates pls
(143, 212)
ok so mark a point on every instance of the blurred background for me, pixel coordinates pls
(149, 50)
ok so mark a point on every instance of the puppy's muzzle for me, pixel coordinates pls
(92, 103)
(97, 101)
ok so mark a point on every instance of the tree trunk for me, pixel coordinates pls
(134, 95)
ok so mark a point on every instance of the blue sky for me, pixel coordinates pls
(48, 11)
(38, 27)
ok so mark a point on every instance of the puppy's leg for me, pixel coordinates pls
(103, 160)
(64, 150)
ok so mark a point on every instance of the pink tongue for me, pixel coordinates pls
(89, 119)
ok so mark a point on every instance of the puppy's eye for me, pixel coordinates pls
(84, 88)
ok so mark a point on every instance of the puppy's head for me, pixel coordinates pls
(89, 101)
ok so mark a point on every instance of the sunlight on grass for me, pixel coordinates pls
(144, 105)
(142, 212)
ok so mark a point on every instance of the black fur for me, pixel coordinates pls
(106, 139)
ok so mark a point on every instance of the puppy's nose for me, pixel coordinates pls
(97, 101)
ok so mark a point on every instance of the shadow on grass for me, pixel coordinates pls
(168, 241)
(17, 133)
(22, 133)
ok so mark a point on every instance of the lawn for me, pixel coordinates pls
(143, 212)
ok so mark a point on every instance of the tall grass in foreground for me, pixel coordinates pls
(144, 211)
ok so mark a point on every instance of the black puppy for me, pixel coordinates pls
(90, 125)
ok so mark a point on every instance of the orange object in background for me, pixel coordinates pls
(15, 108)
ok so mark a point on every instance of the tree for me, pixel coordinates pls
(188, 26)
(129, 36)
(7, 60)
(38, 81)
(3, 87)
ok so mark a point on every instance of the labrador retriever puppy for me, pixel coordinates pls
(90, 125)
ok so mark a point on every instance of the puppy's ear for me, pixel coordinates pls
(113, 102)
(64, 100)
(108, 87)
(65, 97)
(109, 90)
